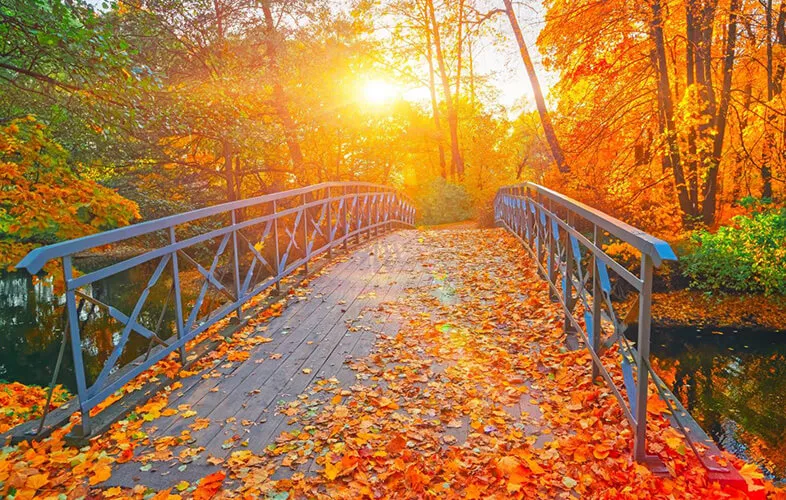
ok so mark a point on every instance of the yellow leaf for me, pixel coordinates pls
(332, 470)
(182, 485)
(751, 471)
(37, 481)
(101, 473)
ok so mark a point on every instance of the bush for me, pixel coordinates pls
(747, 256)
(441, 202)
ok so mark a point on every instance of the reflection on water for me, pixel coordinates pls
(734, 385)
(31, 325)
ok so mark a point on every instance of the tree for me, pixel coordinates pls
(545, 117)
(42, 198)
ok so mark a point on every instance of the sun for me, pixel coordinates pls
(379, 92)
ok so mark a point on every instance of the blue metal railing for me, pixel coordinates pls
(554, 229)
(252, 244)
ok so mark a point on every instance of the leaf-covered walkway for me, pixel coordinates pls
(424, 364)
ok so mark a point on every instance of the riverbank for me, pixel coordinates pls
(691, 308)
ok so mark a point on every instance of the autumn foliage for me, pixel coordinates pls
(42, 197)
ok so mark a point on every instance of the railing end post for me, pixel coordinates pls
(643, 351)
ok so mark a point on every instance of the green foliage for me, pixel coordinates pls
(442, 202)
(748, 256)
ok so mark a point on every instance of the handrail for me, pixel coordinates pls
(34, 261)
(658, 249)
(259, 240)
(551, 225)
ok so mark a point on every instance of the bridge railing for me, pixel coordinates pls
(208, 263)
(566, 238)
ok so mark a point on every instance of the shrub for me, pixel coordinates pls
(441, 202)
(747, 256)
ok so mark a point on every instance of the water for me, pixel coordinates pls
(31, 325)
(734, 384)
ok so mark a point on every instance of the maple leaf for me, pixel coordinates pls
(396, 444)
(601, 451)
(199, 424)
(332, 470)
(209, 485)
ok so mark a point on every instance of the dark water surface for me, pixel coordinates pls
(31, 325)
(734, 384)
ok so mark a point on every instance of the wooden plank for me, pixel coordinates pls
(199, 394)
(332, 363)
(196, 393)
(271, 381)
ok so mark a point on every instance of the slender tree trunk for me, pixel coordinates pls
(471, 74)
(774, 86)
(459, 48)
(545, 117)
(229, 173)
(457, 162)
(434, 105)
(691, 162)
(780, 39)
(666, 106)
(711, 185)
(280, 99)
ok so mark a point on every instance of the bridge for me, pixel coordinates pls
(315, 333)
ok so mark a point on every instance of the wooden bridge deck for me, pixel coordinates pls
(419, 359)
(331, 322)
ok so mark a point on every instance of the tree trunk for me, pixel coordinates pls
(280, 99)
(434, 105)
(459, 44)
(229, 173)
(666, 107)
(711, 185)
(457, 162)
(545, 118)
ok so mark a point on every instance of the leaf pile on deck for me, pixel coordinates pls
(475, 397)
(20, 403)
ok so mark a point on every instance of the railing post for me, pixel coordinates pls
(278, 252)
(528, 202)
(305, 234)
(357, 215)
(236, 260)
(567, 278)
(372, 216)
(345, 218)
(76, 344)
(643, 349)
(552, 257)
(330, 223)
(178, 296)
(597, 240)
